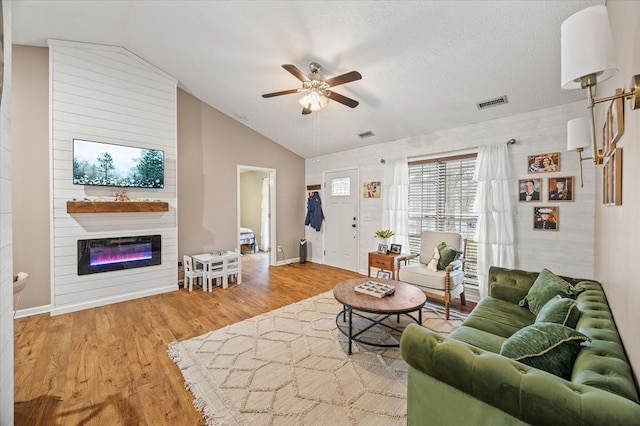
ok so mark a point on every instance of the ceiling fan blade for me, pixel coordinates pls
(296, 72)
(352, 103)
(284, 92)
(344, 78)
(306, 111)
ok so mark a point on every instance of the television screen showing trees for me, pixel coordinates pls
(103, 164)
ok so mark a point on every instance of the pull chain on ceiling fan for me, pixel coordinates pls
(317, 88)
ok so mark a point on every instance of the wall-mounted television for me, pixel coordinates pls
(105, 164)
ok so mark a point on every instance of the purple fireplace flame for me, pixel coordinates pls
(111, 254)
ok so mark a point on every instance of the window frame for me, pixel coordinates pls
(430, 208)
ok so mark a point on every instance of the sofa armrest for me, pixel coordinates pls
(529, 394)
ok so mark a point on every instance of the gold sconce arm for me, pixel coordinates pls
(598, 154)
(631, 94)
(581, 174)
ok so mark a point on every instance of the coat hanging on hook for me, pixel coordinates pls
(314, 211)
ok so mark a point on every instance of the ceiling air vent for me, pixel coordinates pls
(492, 102)
(366, 134)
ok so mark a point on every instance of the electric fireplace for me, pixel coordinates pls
(113, 254)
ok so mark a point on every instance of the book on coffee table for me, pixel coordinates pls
(374, 288)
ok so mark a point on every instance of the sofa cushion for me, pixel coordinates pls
(547, 346)
(545, 287)
(420, 275)
(499, 317)
(478, 338)
(511, 285)
(560, 310)
(447, 255)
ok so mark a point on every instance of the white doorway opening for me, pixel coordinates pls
(261, 207)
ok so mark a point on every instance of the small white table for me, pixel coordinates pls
(227, 258)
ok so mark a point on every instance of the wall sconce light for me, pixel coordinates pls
(588, 57)
(577, 140)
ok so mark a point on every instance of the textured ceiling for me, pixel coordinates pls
(424, 64)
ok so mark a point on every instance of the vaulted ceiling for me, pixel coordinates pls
(425, 64)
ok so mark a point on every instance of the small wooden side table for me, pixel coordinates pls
(387, 262)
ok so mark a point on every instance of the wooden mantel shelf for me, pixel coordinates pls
(116, 206)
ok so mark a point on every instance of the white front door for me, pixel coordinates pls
(341, 219)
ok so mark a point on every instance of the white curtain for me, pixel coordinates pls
(494, 232)
(264, 218)
(395, 201)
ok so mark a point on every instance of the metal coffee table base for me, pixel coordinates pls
(378, 320)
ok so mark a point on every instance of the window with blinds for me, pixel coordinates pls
(441, 195)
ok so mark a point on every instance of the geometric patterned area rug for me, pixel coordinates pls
(290, 367)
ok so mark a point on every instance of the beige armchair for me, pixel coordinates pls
(444, 285)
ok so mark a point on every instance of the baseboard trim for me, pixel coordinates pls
(287, 261)
(28, 312)
(110, 300)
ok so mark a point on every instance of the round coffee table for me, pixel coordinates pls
(405, 300)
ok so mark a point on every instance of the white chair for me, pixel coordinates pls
(233, 268)
(444, 285)
(191, 273)
(214, 270)
(19, 284)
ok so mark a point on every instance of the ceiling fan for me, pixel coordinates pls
(317, 88)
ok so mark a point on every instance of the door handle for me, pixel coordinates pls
(353, 226)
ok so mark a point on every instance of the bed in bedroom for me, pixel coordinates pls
(247, 241)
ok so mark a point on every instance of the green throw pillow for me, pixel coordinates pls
(447, 255)
(544, 288)
(559, 310)
(546, 346)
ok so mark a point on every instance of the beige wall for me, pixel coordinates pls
(31, 247)
(617, 238)
(210, 147)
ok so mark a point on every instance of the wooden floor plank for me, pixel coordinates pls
(109, 365)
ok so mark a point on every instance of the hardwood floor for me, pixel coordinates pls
(109, 365)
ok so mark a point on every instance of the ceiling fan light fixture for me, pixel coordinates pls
(314, 101)
(316, 89)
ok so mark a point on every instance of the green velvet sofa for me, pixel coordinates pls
(463, 380)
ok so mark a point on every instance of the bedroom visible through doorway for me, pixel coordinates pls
(256, 216)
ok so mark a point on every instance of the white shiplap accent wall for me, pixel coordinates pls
(569, 251)
(6, 235)
(107, 94)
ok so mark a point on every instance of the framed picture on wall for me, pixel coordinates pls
(612, 179)
(384, 274)
(617, 120)
(560, 188)
(546, 218)
(371, 190)
(542, 163)
(530, 189)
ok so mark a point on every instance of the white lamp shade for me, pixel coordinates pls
(586, 47)
(577, 134)
(314, 101)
